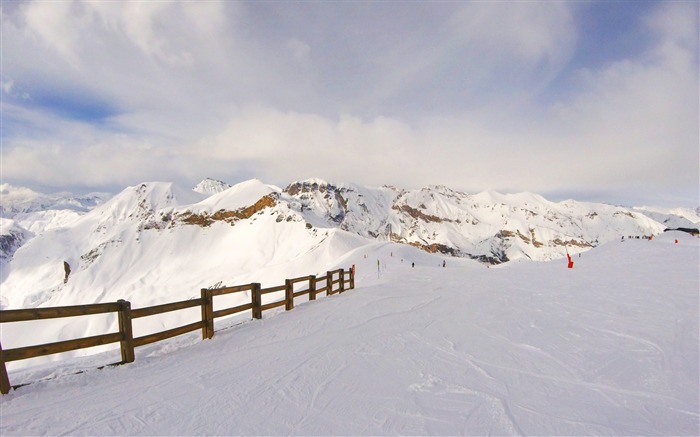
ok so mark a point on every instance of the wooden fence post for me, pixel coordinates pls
(125, 328)
(342, 280)
(4, 378)
(312, 287)
(329, 283)
(288, 294)
(207, 314)
(352, 277)
(256, 299)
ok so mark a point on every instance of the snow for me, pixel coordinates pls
(112, 258)
(15, 200)
(690, 214)
(235, 197)
(609, 347)
(137, 246)
(210, 186)
(41, 221)
(673, 217)
(487, 225)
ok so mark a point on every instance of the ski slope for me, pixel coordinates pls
(530, 348)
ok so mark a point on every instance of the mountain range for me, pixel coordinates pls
(157, 242)
(156, 239)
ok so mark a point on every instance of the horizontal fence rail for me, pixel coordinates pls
(126, 315)
(22, 353)
(56, 312)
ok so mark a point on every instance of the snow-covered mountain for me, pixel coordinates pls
(15, 200)
(156, 239)
(488, 226)
(211, 186)
(673, 218)
(25, 213)
(156, 242)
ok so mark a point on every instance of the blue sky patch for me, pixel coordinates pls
(75, 107)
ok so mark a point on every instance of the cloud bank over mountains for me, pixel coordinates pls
(597, 101)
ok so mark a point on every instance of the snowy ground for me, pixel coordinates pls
(607, 348)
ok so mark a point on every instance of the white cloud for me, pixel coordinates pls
(410, 95)
(148, 25)
(56, 25)
(534, 32)
(7, 86)
(677, 23)
(638, 118)
(299, 49)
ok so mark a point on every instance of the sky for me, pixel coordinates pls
(595, 101)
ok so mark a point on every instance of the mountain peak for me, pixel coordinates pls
(313, 184)
(236, 196)
(211, 186)
(140, 202)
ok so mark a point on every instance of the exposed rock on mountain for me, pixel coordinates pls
(11, 239)
(204, 219)
(489, 226)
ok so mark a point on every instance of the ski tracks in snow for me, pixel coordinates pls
(513, 351)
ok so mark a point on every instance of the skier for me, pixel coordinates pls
(443, 263)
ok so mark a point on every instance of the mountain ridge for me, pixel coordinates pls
(157, 242)
(489, 227)
(15, 200)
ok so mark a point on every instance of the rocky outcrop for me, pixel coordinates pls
(571, 242)
(418, 214)
(438, 248)
(318, 195)
(9, 243)
(205, 219)
(488, 226)
(66, 272)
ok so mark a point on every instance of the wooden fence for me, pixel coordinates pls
(126, 314)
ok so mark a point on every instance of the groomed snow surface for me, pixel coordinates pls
(609, 347)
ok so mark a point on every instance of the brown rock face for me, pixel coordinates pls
(204, 219)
